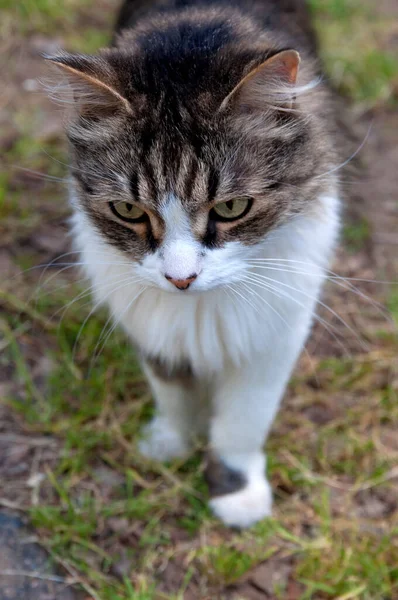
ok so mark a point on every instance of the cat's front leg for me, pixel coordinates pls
(178, 414)
(245, 403)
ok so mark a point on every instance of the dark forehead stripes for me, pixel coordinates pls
(212, 184)
(134, 186)
(187, 178)
(190, 177)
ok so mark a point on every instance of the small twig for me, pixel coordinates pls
(354, 487)
(367, 485)
(32, 575)
(13, 505)
(16, 304)
(11, 438)
(380, 447)
(78, 579)
(314, 476)
(179, 484)
(353, 593)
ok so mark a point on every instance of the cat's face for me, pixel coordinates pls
(186, 221)
(189, 188)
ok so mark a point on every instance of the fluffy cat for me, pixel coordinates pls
(206, 200)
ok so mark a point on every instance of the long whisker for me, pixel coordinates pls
(327, 326)
(40, 175)
(344, 283)
(98, 175)
(332, 276)
(71, 265)
(112, 329)
(55, 261)
(250, 290)
(353, 155)
(57, 258)
(284, 294)
(111, 318)
(231, 292)
(85, 293)
(66, 266)
(93, 310)
(245, 300)
(263, 278)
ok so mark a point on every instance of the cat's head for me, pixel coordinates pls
(185, 156)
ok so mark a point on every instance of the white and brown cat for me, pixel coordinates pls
(206, 201)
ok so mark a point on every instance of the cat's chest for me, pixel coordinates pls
(206, 330)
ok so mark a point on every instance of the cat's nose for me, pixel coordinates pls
(181, 284)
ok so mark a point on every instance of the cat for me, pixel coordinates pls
(204, 185)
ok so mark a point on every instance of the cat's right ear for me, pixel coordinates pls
(271, 83)
(91, 85)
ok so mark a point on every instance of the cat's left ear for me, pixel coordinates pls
(272, 82)
(92, 84)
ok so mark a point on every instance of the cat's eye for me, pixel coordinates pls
(231, 210)
(128, 212)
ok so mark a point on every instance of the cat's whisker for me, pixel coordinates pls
(53, 262)
(120, 285)
(76, 252)
(59, 288)
(84, 294)
(40, 175)
(230, 291)
(329, 274)
(250, 290)
(117, 321)
(262, 279)
(347, 286)
(332, 275)
(97, 174)
(66, 266)
(327, 326)
(41, 266)
(37, 292)
(350, 158)
(245, 300)
(273, 290)
(274, 310)
(57, 258)
(343, 282)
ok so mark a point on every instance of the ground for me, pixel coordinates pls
(82, 515)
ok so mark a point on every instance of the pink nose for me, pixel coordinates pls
(182, 284)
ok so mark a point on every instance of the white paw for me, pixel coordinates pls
(161, 442)
(246, 507)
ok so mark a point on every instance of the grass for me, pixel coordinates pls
(46, 17)
(128, 529)
(356, 51)
(357, 235)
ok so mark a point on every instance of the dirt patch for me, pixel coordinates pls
(25, 568)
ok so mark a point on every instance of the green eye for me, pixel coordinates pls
(128, 212)
(231, 210)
